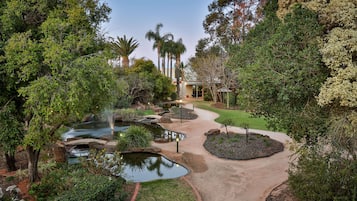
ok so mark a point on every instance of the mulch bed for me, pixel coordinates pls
(235, 146)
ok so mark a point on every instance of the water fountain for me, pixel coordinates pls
(110, 118)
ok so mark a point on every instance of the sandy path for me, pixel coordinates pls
(228, 180)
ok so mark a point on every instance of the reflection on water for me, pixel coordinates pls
(95, 129)
(143, 167)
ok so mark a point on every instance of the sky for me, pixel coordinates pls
(134, 18)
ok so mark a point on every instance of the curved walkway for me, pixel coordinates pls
(229, 180)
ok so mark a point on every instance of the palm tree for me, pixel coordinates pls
(158, 40)
(179, 48)
(124, 47)
(167, 52)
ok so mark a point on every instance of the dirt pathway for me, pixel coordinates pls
(228, 180)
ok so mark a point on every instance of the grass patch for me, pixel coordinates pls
(163, 190)
(238, 117)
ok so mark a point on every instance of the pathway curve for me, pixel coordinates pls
(229, 180)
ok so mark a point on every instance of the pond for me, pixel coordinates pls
(100, 129)
(144, 167)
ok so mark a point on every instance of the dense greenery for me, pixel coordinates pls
(76, 183)
(11, 133)
(285, 74)
(321, 177)
(300, 73)
(134, 137)
(52, 58)
(143, 84)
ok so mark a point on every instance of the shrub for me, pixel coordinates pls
(76, 183)
(324, 178)
(134, 137)
(99, 188)
(127, 114)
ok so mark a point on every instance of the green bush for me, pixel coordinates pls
(127, 114)
(324, 178)
(134, 137)
(95, 188)
(76, 183)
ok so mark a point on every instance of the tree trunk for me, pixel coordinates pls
(125, 61)
(10, 162)
(33, 156)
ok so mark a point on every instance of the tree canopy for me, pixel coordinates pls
(52, 59)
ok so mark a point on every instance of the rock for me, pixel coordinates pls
(214, 131)
(165, 119)
(281, 193)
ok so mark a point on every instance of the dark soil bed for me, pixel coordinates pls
(236, 147)
(181, 113)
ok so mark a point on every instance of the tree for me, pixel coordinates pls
(146, 83)
(339, 54)
(281, 82)
(229, 21)
(124, 47)
(178, 48)
(52, 50)
(210, 70)
(11, 133)
(158, 40)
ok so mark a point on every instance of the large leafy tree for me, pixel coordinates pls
(124, 47)
(307, 86)
(229, 21)
(146, 83)
(52, 52)
(285, 73)
(159, 40)
(336, 167)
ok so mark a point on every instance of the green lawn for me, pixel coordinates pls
(163, 190)
(238, 117)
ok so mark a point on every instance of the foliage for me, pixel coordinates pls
(158, 40)
(323, 177)
(134, 137)
(52, 57)
(127, 114)
(162, 190)
(11, 132)
(75, 183)
(146, 84)
(284, 77)
(124, 47)
(100, 162)
(210, 69)
(229, 21)
(339, 54)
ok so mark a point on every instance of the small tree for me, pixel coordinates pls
(246, 127)
(227, 122)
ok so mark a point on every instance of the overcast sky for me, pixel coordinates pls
(134, 18)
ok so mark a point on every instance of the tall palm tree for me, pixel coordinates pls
(179, 48)
(158, 40)
(167, 52)
(124, 47)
